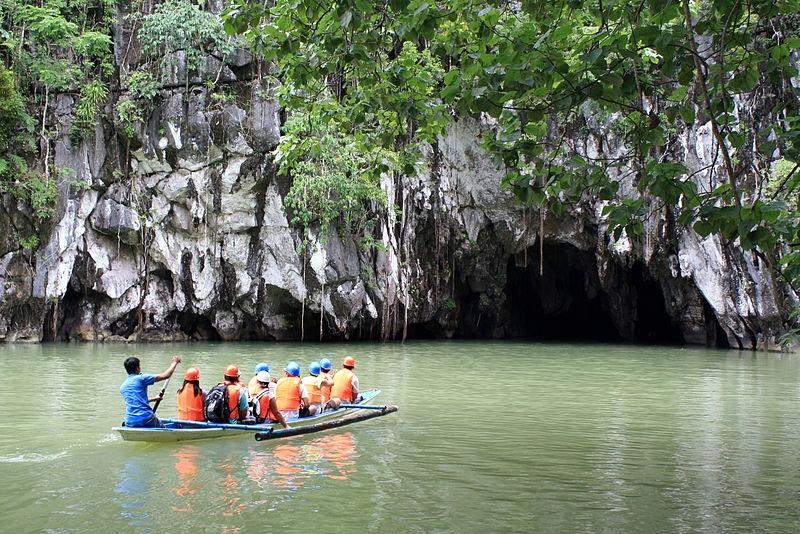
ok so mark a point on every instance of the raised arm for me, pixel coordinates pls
(171, 369)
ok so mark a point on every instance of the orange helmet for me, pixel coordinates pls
(349, 362)
(192, 373)
(232, 370)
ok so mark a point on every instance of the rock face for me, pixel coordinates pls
(183, 235)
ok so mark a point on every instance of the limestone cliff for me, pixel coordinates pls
(182, 234)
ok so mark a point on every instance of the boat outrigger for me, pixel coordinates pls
(178, 430)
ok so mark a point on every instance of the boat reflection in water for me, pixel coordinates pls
(187, 469)
(132, 492)
(285, 467)
(290, 466)
(232, 496)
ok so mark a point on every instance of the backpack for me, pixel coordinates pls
(217, 409)
(255, 405)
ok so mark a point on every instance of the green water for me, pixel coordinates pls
(489, 437)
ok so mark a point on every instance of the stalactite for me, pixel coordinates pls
(303, 304)
(321, 308)
(541, 232)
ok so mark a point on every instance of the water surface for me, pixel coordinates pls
(490, 436)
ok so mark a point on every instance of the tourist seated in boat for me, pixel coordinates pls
(191, 399)
(290, 393)
(345, 382)
(313, 384)
(237, 396)
(253, 384)
(263, 405)
(138, 413)
(326, 370)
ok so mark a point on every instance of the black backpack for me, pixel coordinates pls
(217, 409)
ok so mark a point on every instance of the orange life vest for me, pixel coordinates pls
(343, 385)
(264, 411)
(312, 385)
(325, 388)
(233, 400)
(190, 406)
(252, 385)
(287, 393)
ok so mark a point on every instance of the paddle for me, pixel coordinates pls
(161, 395)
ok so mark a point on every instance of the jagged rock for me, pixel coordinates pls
(114, 219)
(213, 255)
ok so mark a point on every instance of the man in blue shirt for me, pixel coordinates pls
(138, 412)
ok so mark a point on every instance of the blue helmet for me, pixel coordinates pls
(293, 369)
(262, 367)
(314, 368)
(325, 364)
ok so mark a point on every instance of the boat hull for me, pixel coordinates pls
(177, 430)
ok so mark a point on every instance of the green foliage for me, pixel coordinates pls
(333, 174)
(536, 67)
(142, 85)
(63, 43)
(93, 96)
(29, 243)
(50, 46)
(38, 191)
(181, 25)
(46, 24)
(16, 142)
(16, 125)
(130, 109)
(81, 185)
(784, 184)
(127, 115)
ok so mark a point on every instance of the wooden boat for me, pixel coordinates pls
(178, 430)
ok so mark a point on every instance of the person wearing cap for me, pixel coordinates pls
(138, 413)
(191, 399)
(313, 384)
(263, 404)
(345, 382)
(325, 366)
(237, 396)
(290, 394)
(253, 384)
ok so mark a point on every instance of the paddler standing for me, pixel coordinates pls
(138, 413)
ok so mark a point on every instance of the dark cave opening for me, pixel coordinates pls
(567, 301)
(653, 324)
(561, 303)
(61, 316)
(198, 327)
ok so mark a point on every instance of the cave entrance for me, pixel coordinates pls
(561, 303)
(567, 302)
(653, 324)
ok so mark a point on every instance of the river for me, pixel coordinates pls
(490, 436)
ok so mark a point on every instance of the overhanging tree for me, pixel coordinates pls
(656, 67)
